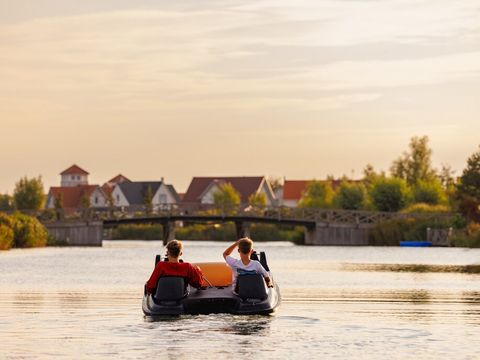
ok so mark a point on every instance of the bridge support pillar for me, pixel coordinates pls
(168, 231)
(310, 235)
(242, 229)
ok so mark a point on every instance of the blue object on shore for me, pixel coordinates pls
(415, 243)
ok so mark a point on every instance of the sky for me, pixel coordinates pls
(176, 89)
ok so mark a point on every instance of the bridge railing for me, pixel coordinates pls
(279, 213)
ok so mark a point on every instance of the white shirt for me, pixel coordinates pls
(238, 267)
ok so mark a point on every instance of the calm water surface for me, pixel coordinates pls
(86, 303)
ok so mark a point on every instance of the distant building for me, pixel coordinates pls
(75, 192)
(201, 189)
(133, 193)
(74, 176)
(293, 190)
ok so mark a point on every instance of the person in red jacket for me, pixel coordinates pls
(173, 267)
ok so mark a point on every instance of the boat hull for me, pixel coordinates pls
(213, 300)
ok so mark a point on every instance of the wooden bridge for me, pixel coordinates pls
(322, 226)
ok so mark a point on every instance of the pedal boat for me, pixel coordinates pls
(252, 296)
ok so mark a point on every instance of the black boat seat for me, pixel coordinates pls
(251, 286)
(170, 288)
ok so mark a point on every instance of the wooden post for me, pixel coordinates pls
(168, 231)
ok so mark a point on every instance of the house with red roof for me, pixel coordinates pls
(74, 191)
(293, 190)
(201, 189)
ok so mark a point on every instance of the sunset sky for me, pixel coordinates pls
(176, 89)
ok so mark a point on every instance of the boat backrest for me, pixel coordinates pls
(170, 288)
(217, 273)
(252, 286)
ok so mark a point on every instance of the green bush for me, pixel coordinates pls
(350, 196)
(429, 192)
(28, 231)
(422, 208)
(389, 194)
(6, 237)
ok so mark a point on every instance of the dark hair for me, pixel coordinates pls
(245, 245)
(174, 247)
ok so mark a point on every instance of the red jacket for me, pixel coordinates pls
(164, 268)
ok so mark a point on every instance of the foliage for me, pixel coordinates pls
(468, 188)
(419, 208)
(6, 202)
(318, 194)
(350, 196)
(429, 192)
(6, 232)
(25, 231)
(258, 200)
(227, 232)
(58, 202)
(138, 232)
(415, 165)
(389, 194)
(226, 198)
(392, 232)
(468, 237)
(29, 232)
(148, 200)
(6, 237)
(275, 184)
(29, 194)
(446, 176)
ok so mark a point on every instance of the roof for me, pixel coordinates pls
(293, 189)
(245, 185)
(74, 169)
(173, 192)
(72, 195)
(118, 179)
(135, 191)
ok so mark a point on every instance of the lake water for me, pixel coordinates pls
(337, 304)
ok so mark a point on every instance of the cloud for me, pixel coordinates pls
(311, 55)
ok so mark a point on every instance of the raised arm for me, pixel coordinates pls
(229, 250)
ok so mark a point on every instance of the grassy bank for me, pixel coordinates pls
(21, 231)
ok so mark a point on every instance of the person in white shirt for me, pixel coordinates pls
(244, 265)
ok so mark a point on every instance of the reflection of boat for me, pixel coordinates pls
(216, 295)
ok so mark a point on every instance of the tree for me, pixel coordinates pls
(468, 188)
(429, 192)
(318, 194)
(415, 165)
(29, 194)
(350, 196)
(148, 200)
(389, 194)
(446, 176)
(6, 202)
(275, 183)
(258, 200)
(58, 205)
(226, 198)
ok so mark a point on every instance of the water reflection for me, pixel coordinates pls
(251, 325)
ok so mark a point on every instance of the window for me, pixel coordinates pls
(72, 177)
(96, 199)
(163, 199)
(118, 197)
